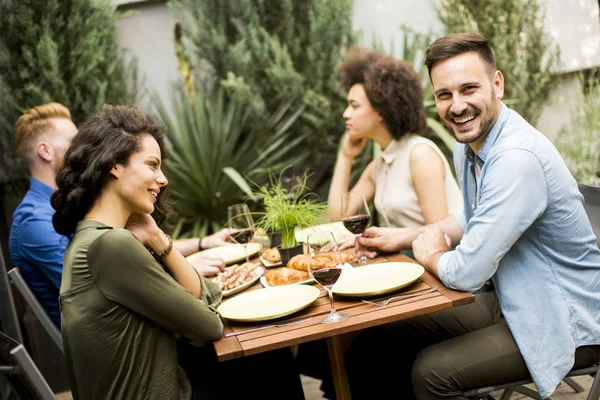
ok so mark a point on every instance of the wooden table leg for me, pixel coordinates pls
(336, 348)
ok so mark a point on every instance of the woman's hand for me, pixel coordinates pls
(352, 146)
(143, 227)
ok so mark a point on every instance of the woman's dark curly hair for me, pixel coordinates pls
(391, 85)
(107, 138)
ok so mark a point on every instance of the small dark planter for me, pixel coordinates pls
(274, 239)
(288, 253)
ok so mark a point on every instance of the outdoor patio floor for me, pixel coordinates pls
(564, 392)
(312, 391)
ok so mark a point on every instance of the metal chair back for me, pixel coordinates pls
(591, 196)
(17, 280)
(22, 373)
(517, 386)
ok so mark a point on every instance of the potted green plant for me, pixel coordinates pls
(288, 209)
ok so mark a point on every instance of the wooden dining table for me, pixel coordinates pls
(339, 335)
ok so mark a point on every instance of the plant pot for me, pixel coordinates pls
(290, 252)
(274, 239)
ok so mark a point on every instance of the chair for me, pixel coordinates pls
(17, 280)
(591, 196)
(517, 386)
(23, 375)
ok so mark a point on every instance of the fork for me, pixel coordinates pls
(402, 296)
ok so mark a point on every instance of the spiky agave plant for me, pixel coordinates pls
(207, 137)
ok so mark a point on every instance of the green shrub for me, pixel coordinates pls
(210, 145)
(58, 50)
(523, 49)
(263, 52)
(580, 145)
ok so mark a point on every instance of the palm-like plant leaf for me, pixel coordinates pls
(210, 148)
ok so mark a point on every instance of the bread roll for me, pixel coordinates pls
(285, 276)
(271, 255)
(348, 256)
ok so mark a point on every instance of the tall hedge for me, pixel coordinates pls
(58, 50)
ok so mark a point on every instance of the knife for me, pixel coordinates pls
(265, 327)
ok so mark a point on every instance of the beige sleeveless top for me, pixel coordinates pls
(395, 198)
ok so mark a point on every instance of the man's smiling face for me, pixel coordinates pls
(467, 96)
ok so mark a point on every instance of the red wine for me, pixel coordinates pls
(327, 276)
(357, 223)
(243, 236)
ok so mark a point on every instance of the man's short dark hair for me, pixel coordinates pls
(458, 43)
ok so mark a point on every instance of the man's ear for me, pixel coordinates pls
(44, 150)
(498, 83)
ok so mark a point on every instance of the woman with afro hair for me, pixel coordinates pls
(410, 182)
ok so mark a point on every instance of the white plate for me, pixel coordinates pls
(237, 289)
(265, 304)
(231, 253)
(377, 279)
(263, 281)
(337, 228)
(269, 264)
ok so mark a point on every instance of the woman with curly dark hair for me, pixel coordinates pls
(410, 182)
(127, 293)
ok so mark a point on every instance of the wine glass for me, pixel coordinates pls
(325, 266)
(356, 217)
(241, 225)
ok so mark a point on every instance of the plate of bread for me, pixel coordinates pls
(238, 277)
(266, 304)
(230, 253)
(271, 258)
(296, 271)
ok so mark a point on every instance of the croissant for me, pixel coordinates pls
(299, 262)
(285, 276)
(321, 260)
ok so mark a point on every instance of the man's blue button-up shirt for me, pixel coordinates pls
(36, 248)
(526, 228)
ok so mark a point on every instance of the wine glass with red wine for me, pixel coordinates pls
(325, 266)
(241, 224)
(356, 216)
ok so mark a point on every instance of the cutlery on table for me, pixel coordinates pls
(265, 327)
(402, 296)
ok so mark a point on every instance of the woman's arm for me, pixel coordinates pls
(341, 177)
(428, 176)
(127, 274)
(150, 235)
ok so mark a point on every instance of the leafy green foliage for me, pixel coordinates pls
(285, 210)
(263, 52)
(580, 145)
(523, 49)
(58, 50)
(209, 141)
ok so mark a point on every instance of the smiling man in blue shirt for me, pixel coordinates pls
(523, 226)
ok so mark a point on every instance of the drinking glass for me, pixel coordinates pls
(325, 266)
(241, 225)
(356, 217)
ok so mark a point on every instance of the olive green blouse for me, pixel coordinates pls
(121, 312)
